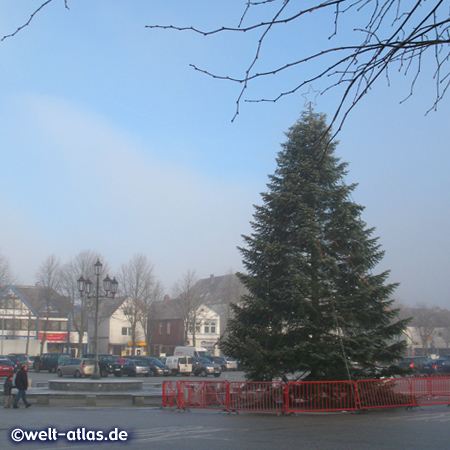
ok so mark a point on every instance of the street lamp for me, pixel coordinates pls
(85, 287)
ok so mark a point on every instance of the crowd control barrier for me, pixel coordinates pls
(384, 393)
(321, 396)
(307, 396)
(431, 391)
(256, 396)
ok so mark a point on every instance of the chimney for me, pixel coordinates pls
(211, 278)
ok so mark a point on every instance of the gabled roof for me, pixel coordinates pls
(38, 297)
(215, 288)
(108, 306)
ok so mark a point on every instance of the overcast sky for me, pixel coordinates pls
(111, 142)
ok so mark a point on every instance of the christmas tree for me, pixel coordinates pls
(314, 306)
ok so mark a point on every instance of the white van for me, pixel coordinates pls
(179, 365)
(198, 352)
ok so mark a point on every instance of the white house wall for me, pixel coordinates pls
(207, 316)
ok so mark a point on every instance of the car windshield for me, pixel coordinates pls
(63, 359)
(205, 361)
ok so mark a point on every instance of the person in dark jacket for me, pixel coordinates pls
(7, 396)
(22, 386)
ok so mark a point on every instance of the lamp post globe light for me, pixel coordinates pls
(85, 287)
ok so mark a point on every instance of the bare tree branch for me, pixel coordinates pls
(32, 17)
(394, 34)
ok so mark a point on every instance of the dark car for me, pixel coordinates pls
(107, 364)
(205, 367)
(413, 362)
(155, 365)
(19, 359)
(220, 361)
(441, 366)
(429, 368)
(51, 361)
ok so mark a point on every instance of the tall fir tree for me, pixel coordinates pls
(313, 304)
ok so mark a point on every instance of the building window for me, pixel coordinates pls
(206, 328)
(160, 327)
(130, 331)
(168, 327)
(197, 327)
(213, 328)
(124, 331)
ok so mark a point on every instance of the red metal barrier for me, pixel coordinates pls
(257, 396)
(431, 391)
(385, 393)
(307, 395)
(321, 396)
(205, 394)
(171, 394)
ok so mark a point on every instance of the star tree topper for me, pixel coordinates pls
(310, 97)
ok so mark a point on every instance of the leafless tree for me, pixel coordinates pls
(366, 40)
(81, 306)
(48, 277)
(426, 321)
(139, 285)
(187, 303)
(6, 274)
(359, 42)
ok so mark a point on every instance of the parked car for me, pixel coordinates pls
(443, 367)
(413, 362)
(241, 364)
(107, 364)
(135, 367)
(32, 361)
(231, 363)
(204, 367)
(76, 367)
(220, 361)
(20, 358)
(179, 365)
(51, 361)
(428, 368)
(224, 362)
(6, 367)
(156, 366)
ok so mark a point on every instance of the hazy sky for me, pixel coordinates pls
(110, 142)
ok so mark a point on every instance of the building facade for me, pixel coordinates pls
(118, 321)
(168, 329)
(35, 320)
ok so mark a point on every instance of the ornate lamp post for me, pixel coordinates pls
(85, 287)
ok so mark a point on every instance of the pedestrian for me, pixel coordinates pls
(22, 386)
(37, 363)
(7, 395)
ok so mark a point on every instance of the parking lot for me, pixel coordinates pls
(43, 377)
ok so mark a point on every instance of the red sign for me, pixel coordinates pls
(53, 337)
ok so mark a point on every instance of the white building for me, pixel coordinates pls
(32, 317)
(115, 331)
